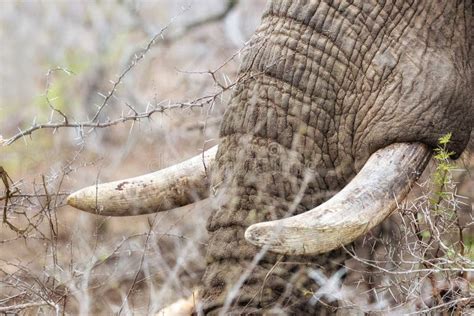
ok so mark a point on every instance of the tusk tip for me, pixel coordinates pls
(252, 234)
(76, 201)
(262, 234)
(285, 240)
(71, 200)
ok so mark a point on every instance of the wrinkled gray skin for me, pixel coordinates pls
(325, 84)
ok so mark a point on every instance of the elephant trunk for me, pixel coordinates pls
(281, 154)
(259, 180)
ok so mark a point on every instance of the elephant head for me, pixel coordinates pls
(343, 97)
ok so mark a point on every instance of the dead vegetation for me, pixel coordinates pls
(72, 128)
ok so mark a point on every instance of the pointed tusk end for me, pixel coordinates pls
(79, 200)
(74, 201)
(260, 235)
(253, 234)
(272, 236)
(71, 200)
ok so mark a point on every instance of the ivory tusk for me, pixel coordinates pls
(366, 201)
(182, 307)
(175, 186)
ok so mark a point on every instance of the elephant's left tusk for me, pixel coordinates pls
(366, 201)
(175, 186)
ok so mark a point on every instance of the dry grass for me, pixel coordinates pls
(58, 260)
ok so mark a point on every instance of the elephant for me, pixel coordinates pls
(337, 111)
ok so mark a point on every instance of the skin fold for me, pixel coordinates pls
(324, 85)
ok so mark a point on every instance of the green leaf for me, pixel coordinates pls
(426, 234)
(443, 140)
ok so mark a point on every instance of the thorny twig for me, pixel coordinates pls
(137, 58)
(49, 197)
(412, 248)
(5, 177)
(20, 307)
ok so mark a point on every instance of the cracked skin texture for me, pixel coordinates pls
(324, 85)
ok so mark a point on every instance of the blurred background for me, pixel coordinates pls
(68, 55)
(61, 59)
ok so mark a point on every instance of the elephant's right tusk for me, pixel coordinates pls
(366, 201)
(175, 186)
